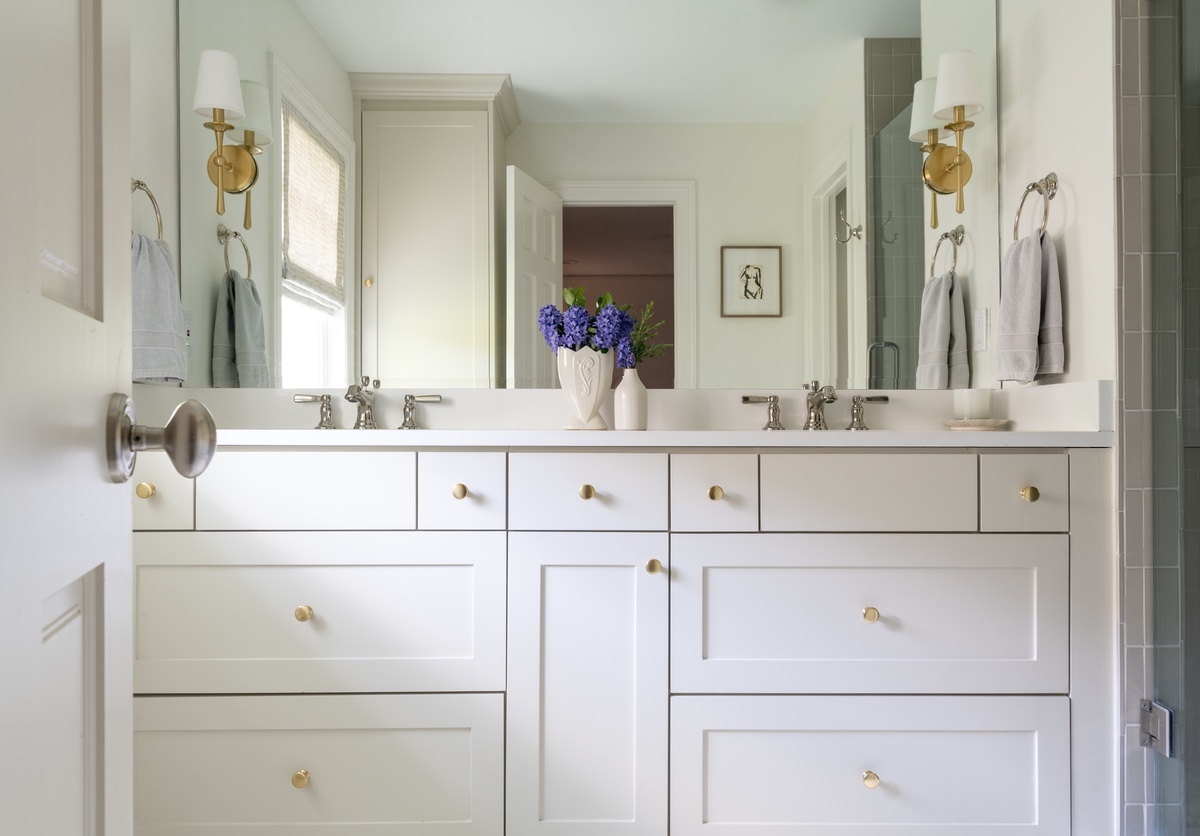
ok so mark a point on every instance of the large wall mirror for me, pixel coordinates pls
(795, 116)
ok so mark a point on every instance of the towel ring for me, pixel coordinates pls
(224, 233)
(1047, 187)
(955, 237)
(136, 185)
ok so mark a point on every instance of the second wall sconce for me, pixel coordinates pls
(924, 128)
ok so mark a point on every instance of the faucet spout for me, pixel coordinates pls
(364, 396)
(816, 399)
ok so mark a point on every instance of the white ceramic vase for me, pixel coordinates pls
(585, 375)
(629, 402)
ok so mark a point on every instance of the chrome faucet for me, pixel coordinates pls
(772, 402)
(858, 409)
(364, 395)
(326, 401)
(410, 409)
(816, 399)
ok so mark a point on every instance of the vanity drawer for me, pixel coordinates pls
(1024, 492)
(461, 491)
(307, 490)
(789, 614)
(587, 491)
(169, 507)
(820, 491)
(951, 766)
(404, 764)
(220, 612)
(714, 492)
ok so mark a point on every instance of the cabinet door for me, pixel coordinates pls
(587, 684)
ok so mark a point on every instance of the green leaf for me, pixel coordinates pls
(605, 299)
(574, 296)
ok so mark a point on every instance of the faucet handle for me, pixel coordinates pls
(410, 409)
(772, 402)
(367, 383)
(858, 408)
(326, 401)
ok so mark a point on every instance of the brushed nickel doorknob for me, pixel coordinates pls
(459, 491)
(1030, 494)
(716, 492)
(145, 490)
(870, 615)
(300, 779)
(870, 780)
(587, 492)
(189, 438)
(304, 612)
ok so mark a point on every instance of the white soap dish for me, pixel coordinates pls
(977, 424)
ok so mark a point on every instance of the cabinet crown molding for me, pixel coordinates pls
(495, 88)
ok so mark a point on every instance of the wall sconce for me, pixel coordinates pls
(219, 97)
(254, 133)
(929, 131)
(958, 97)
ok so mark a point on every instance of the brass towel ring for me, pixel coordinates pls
(224, 233)
(136, 185)
(955, 237)
(1047, 187)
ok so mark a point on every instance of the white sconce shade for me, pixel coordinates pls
(258, 115)
(958, 85)
(923, 120)
(218, 85)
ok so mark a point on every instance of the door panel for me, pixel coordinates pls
(534, 278)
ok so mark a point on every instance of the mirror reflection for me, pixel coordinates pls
(765, 128)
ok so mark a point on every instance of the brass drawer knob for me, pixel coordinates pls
(460, 491)
(587, 492)
(654, 566)
(304, 612)
(145, 490)
(368, 281)
(870, 780)
(716, 492)
(1031, 494)
(870, 615)
(300, 779)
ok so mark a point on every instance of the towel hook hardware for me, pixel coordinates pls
(224, 233)
(140, 185)
(1047, 187)
(955, 237)
(851, 231)
(895, 236)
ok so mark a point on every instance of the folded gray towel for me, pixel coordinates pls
(959, 358)
(1051, 354)
(1020, 310)
(159, 340)
(942, 343)
(239, 336)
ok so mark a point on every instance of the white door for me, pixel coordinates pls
(534, 278)
(65, 608)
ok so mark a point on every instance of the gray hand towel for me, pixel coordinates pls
(933, 341)
(1020, 310)
(959, 358)
(159, 339)
(239, 336)
(1051, 353)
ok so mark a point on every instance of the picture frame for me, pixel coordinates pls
(752, 281)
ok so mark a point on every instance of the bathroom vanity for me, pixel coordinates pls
(527, 632)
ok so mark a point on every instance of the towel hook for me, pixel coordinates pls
(851, 231)
(224, 233)
(135, 185)
(1047, 187)
(955, 237)
(895, 236)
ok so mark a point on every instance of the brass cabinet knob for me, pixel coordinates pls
(870, 780)
(587, 492)
(654, 566)
(716, 492)
(1031, 494)
(368, 282)
(304, 612)
(145, 490)
(300, 779)
(459, 491)
(870, 615)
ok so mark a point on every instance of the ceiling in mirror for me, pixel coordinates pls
(709, 61)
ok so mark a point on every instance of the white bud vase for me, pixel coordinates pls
(629, 402)
(585, 375)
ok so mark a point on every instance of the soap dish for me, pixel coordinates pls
(977, 424)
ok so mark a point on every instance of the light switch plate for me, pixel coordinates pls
(979, 333)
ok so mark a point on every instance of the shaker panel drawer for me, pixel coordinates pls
(588, 491)
(310, 490)
(461, 491)
(171, 497)
(1024, 492)
(714, 492)
(820, 491)
(869, 613)
(870, 766)
(365, 764)
(277, 612)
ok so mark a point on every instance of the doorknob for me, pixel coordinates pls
(189, 438)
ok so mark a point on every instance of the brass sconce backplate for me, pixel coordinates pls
(242, 170)
(940, 172)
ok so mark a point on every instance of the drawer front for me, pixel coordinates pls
(379, 764)
(588, 491)
(221, 612)
(307, 490)
(951, 766)
(714, 492)
(818, 491)
(461, 491)
(169, 507)
(869, 613)
(1006, 501)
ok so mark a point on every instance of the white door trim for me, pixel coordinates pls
(681, 194)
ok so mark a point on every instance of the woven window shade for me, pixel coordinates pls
(314, 215)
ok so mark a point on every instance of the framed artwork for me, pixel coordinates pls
(751, 281)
